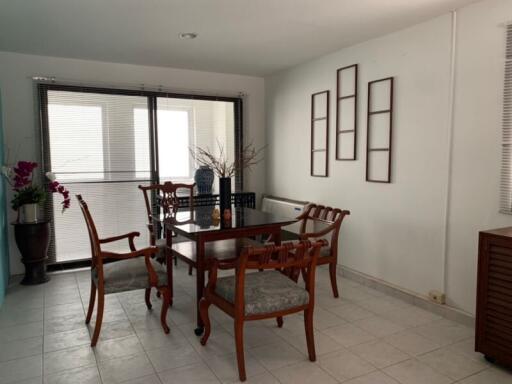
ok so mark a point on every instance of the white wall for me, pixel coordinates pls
(474, 200)
(19, 101)
(396, 232)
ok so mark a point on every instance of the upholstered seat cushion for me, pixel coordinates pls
(265, 292)
(129, 274)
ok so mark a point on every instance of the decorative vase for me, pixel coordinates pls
(30, 213)
(33, 240)
(224, 195)
(204, 180)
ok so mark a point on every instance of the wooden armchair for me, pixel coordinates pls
(329, 219)
(167, 194)
(265, 294)
(127, 271)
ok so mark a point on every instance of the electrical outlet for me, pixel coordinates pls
(437, 297)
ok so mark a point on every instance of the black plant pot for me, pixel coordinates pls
(224, 194)
(33, 240)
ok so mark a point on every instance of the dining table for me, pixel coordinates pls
(205, 231)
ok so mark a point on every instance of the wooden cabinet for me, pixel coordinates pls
(494, 296)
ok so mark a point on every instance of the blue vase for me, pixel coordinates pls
(204, 180)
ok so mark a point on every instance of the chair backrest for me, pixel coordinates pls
(298, 256)
(147, 190)
(325, 216)
(171, 193)
(93, 233)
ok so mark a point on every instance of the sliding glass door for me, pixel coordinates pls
(102, 144)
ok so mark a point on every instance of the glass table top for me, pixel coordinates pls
(201, 219)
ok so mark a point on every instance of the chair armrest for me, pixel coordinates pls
(323, 232)
(149, 251)
(130, 236)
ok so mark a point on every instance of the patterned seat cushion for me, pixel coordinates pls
(130, 274)
(265, 292)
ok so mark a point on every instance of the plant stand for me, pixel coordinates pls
(33, 240)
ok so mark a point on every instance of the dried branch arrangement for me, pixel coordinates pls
(219, 163)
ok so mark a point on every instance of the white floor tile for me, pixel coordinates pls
(377, 377)
(114, 348)
(351, 312)
(20, 332)
(414, 372)
(362, 337)
(444, 331)
(21, 348)
(348, 334)
(173, 356)
(191, 374)
(84, 375)
(379, 326)
(63, 340)
(125, 368)
(67, 359)
(452, 364)
(226, 368)
(303, 373)
(411, 343)
(274, 356)
(489, 376)
(21, 369)
(379, 353)
(344, 365)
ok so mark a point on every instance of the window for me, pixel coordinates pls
(506, 160)
(103, 143)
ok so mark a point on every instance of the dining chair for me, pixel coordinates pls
(168, 195)
(325, 223)
(119, 272)
(267, 292)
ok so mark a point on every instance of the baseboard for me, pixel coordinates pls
(408, 296)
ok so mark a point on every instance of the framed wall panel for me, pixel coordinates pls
(346, 112)
(379, 130)
(320, 134)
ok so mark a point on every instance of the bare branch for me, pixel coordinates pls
(220, 165)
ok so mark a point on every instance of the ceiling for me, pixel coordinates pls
(252, 37)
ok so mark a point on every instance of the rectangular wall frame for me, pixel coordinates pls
(346, 112)
(379, 130)
(319, 133)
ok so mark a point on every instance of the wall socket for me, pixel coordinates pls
(437, 297)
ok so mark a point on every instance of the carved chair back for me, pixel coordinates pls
(148, 191)
(170, 193)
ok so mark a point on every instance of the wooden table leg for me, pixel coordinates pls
(276, 236)
(199, 283)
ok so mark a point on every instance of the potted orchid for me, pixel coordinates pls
(28, 195)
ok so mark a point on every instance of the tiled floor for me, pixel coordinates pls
(365, 337)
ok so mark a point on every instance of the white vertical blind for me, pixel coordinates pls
(506, 160)
(99, 148)
(99, 145)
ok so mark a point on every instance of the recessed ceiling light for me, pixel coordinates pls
(188, 35)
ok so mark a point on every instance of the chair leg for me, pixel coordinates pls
(332, 273)
(279, 321)
(147, 297)
(190, 270)
(99, 317)
(203, 310)
(310, 336)
(92, 299)
(166, 298)
(239, 341)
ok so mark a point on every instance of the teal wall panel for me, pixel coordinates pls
(4, 249)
